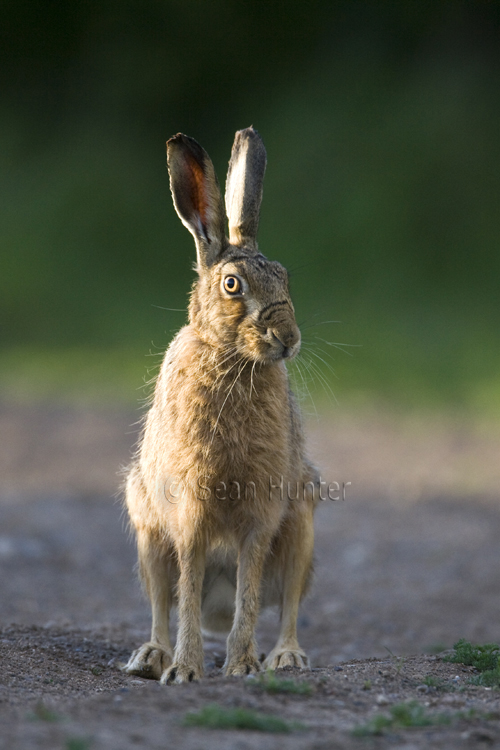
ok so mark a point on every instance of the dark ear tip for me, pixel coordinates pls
(181, 139)
(184, 143)
(175, 140)
(248, 133)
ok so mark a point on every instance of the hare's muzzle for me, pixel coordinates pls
(285, 342)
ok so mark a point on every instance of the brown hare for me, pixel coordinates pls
(223, 451)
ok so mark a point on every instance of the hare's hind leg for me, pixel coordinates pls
(292, 563)
(158, 575)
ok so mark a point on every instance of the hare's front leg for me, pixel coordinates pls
(292, 564)
(188, 658)
(158, 577)
(241, 647)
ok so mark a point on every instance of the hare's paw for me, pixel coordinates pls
(246, 665)
(150, 661)
(180, 672)
(282, 657)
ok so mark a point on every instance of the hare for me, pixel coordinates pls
(221, 494)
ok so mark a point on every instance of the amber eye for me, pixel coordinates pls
(232, 284)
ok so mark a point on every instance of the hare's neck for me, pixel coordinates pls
(227, 365)
(221, 369)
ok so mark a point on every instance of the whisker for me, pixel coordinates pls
(323, 323)
(309, 317)
(224, 402)
(323, 380)
(338, 345)
(308, 346)
(305, 385)
(231, 353)
(307, 364)
(252, 387)
(327, 364)
(241, 359)
(228, 371)
(292, 270)
(170, 309)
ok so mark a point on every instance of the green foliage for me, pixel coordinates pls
(490, 678)
(270, 683)
(77, 743)
(42, 713)
(435, 682)
(486, 659)
(216, 717)
(483, 658)
(402, 716)
(431, 681)
(412, 715)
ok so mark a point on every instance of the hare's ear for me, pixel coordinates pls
(197, 197)
(244, 181)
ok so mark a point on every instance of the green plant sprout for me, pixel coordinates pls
(216, 717)
(486, 659)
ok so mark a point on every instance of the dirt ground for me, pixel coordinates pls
(406, 565)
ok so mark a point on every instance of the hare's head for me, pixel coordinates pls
(241, 300)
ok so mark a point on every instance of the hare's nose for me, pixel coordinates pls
(288, 340)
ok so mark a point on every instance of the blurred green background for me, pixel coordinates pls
(381, 123)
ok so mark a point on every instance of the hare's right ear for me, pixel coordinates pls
(197, 197)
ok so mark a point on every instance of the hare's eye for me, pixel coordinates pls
(232, 284)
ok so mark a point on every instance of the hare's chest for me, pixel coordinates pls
(232, 430)
(249, 441)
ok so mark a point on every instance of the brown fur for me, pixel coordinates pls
(223, 412)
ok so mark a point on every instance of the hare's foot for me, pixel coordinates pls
(242, 664)
(179, 672)
(286, 657)
(150, 661)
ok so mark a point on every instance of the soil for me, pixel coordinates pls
(405, 566)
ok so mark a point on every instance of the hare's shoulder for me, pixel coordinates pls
(183, 353)
(182, 348)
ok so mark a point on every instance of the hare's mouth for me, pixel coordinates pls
(283, 345)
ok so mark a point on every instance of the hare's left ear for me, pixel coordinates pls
(244, 182)
(197, 197)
